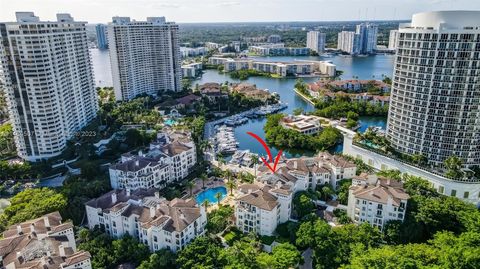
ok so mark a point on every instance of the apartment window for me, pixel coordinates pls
(453, 193)
(466, 194)
(441, 189)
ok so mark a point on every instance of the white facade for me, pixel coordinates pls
(169, 160)
(467, 190)
(303, 124)
(376, 201)
(392, 40)
(191, 70)
(151, 219)
(260, 208)
(367, 35)
(48, 80)
(308, 172)
(435, 102)
(349, 42)
(145, 56)
(316, 41)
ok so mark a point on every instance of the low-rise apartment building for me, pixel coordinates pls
(376, 200)
(278, 49)
(43, 242)
(170, 158)
(307, 172)
(260, 208)
(191, 70)
(304, 124)
(143, 214)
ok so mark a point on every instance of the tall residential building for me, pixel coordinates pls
(48, 82)
(367, 35)
(348, 42)
(102, 41)
(316, 41)
(145, 56)
(274, 39)
(392, 40)
(435, 98)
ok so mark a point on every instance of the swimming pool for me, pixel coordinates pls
(170, 122)
(209, 194)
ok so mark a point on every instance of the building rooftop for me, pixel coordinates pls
(36, 244)
(151, 210)
(260, 198)
(380, 190)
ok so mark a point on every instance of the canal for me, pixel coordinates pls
(373, 67)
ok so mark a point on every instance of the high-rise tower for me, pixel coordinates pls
(48, 82)
(145, 56)
(435, 98)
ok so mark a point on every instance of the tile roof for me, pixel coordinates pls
(380, 192)
(260, 198)
(35, 247)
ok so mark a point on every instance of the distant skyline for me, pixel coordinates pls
(101, 11)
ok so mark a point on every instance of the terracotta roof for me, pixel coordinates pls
(54, 219)
(36, 248)
(136, 164)
(260, 198)
(382, 191)
(188, 100)
(175, 148)
(175, 215)
(77, 258)
(105, 201)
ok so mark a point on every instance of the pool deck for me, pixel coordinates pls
(211, 183)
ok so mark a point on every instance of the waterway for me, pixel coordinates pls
(372, 67)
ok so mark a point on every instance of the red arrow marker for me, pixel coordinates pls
(267, 149)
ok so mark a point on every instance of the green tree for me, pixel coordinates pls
(218, 196)
(231, 185)
(454, 166)
(32, 203)
(190, 184)
(202, 252)
(303, 204)
(285, 256)
(217, 220)
(162, 259)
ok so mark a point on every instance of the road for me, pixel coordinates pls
(307, 258)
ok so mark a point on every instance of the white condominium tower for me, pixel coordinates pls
(316, 41)
(48, 82)
(392, 40)
(348, 42)
(367, 34)
(145, 56)
(435, 98)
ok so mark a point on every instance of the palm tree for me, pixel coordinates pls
(255, 162)
(218, 196)
(204, 178)
(231, 185)
(206, 203)
(327, 191)
(190, 185)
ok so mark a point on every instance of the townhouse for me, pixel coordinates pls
(143, 214)
(44, 242)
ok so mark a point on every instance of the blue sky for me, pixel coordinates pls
(232, 10)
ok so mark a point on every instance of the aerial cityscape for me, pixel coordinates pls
(207, 134)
